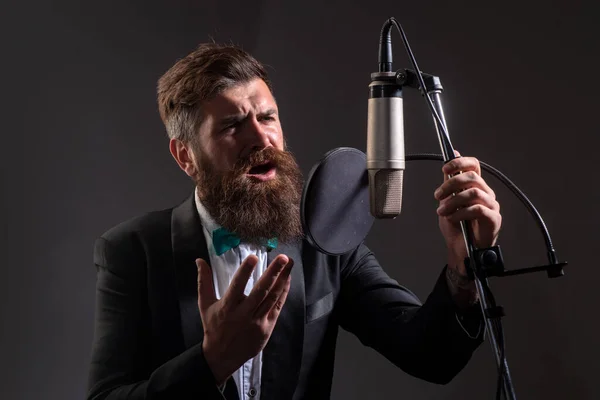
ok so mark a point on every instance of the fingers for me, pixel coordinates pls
(466, 199)
(267, 282)
(206, 288)
(460, 182)
(461, 164)
(278, 306)
(235, 292)
(457, 154)
(482, 214)
(273, 302)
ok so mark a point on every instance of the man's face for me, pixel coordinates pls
(237, 122)
(247, 181)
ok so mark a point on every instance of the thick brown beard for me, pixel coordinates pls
(254, 210)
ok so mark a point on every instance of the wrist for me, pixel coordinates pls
(456, 258)
(217, 365)
(461, 287)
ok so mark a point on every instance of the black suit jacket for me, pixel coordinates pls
(148, 331)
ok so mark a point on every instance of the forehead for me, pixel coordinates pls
(242, 98)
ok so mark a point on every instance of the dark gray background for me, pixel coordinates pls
(83, 149)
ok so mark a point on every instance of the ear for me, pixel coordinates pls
(184, 156)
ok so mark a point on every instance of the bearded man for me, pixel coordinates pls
(221, 296)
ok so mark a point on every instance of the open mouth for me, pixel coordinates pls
(263, 171)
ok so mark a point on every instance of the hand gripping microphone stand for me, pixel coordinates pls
(480, 263)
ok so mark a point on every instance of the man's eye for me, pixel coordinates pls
(230, 127)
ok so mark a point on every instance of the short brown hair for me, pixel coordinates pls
(198, 77)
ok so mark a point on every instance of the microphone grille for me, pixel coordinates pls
(386, 195)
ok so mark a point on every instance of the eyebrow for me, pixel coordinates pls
(269, 111)
(230, 119)
(234, 118)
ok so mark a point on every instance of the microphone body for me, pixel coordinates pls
(385, 145)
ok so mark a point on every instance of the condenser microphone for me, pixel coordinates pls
(385, 135)
(385, 145)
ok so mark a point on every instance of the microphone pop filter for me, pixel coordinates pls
(335, 202)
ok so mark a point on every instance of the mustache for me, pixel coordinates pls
(269, 155)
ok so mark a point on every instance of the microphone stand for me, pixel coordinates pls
(488, 309)
(486, 262)
(480, 263)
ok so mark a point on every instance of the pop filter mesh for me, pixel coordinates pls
(335, 202)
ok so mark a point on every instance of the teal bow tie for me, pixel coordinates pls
(223, 240)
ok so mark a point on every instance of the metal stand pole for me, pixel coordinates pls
(480, 281)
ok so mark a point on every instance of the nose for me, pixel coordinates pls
(259, 136)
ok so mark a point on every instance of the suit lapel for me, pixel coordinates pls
(282, 356)
(188, 244)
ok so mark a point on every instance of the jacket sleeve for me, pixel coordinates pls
(432, 341)
(121, 353)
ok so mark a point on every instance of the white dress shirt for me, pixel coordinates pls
(224, 267)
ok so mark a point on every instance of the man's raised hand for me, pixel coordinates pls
(237, 327)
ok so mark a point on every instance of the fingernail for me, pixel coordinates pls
(437, 193)
(283, 260)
